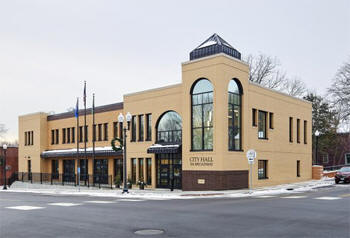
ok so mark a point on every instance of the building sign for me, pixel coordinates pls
(201, 161)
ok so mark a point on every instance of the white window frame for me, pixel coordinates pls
(323, 158)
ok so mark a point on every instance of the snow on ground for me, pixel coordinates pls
(165, 194)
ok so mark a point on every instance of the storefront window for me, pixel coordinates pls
(234, 116)
(202, 115)
(169, 128)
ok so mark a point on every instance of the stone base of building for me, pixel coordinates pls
(196, 180)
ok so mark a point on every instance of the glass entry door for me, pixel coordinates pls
(68, 170)
(169, 168)
(101, 171)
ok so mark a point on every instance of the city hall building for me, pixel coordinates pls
(193, 135)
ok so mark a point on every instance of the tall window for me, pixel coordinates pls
(291, 129)
(133, 170)
(149, 170)
(298, 130)
(115, 129)
(305, 132)
(105, 131)
(202, 115)
(271, 120)
(80, 134)
(254, 117)
(64, 136)
(141, 127)
(234, 116)
(169, 128)
(54, 169)
(68, 135)
(94, 132)
(141, 177)
(73, 134)
(347, 158)
(57, 136)
(262, 120)
(262, 169)
(133, 128)
(298, 168)
(148, 127)
(99, 132)
(52, 137)
(121, 130)
(86, 136)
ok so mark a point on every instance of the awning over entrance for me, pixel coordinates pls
(99, 151)
(163, 149)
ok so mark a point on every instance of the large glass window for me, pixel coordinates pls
(149, 170)
(141, 177)
(133, 128)
(54, 169)
(202, 115)
(148, 127)
(133, 170)
(169, 128)
(234, 116)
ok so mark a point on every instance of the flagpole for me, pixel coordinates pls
(77, 116)
(85, 128)
(94, 131)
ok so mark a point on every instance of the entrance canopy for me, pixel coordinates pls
(99, 151)
(164, 149)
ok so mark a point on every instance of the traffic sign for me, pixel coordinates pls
(251, 155)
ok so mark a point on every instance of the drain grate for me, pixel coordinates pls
(149, 232)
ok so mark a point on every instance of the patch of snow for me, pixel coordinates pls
(208, 43)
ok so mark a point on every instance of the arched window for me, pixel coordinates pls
(169, 128)
(202, 115)
(234, 115)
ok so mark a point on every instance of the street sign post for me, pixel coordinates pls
(251, 155)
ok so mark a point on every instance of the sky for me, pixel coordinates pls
(48, 48)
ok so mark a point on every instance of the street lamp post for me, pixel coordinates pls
(317, 134)
(125, 129)
(4, 147)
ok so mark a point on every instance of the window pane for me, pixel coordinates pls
(208, 138)
(230, 115)
(233, 87)
(197, 116)
(208, 115)
(202, 86)
(197, 139)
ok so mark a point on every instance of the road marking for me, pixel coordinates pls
(328, 198)
(101, 202)
(25, 208)
(130, 200)
(265, 196)
(294, 197)
(64, 204)
(345, 195)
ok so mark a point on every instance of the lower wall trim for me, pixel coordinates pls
(197, 180)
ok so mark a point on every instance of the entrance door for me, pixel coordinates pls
(29, 170)
(68, 170)
(101, 171)
(169, 169)
(118, 169)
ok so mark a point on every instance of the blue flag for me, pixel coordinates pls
(76, 111)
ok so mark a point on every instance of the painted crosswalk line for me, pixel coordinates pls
(328, 198)
(25, 208)
(130, 200)
(64, 204)
(265, 196)
(295, 197)
(101, 202)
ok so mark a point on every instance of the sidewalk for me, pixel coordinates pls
(165, 194)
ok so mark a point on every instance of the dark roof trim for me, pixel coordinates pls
(164, 150)
(100, 109)
(73, 154)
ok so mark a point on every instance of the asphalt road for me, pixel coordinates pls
(320, 213)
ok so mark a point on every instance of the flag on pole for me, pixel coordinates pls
(76, 111)
(85, 94)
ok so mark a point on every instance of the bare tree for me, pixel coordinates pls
(265, 70)
(340, 92)
(294, 87)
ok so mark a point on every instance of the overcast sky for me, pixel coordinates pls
(48, 48)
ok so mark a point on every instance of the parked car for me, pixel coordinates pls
(343, 175)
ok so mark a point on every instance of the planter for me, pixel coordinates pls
(142, 186)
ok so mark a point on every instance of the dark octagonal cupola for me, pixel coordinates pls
(214, 45)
